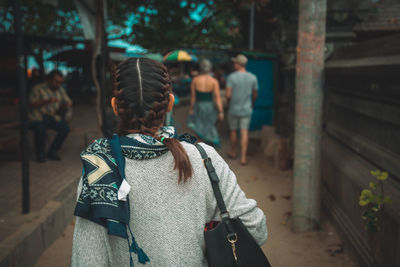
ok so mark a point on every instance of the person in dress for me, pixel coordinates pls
(145, 196)
(205, 105)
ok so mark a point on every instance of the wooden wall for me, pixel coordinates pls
(361, 132)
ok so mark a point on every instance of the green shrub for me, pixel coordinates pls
(374, 201)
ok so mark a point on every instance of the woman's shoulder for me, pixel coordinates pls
(194, 153)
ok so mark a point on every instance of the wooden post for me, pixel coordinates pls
(23, 106)
(308, 114)
(103, 70)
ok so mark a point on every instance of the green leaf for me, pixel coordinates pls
(383, 176)
(375, 173)
(373, 185)
(366, 197)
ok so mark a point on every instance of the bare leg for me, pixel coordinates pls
(234, 141)
(244, 141)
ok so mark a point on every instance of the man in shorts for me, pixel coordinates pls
(241, 93)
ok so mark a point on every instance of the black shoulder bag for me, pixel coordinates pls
(229, 243)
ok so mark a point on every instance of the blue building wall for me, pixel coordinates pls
(264, 69)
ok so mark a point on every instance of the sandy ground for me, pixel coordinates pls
(271, 189)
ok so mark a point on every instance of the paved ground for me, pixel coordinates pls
(272, 190)
(46, 179)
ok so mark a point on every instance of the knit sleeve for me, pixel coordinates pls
(90, 243)
(236, 201)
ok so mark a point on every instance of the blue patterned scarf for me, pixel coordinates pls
(104, 195)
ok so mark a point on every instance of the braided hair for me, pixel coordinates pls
(142, 87)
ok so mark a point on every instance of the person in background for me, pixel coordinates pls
(220, 76)
(34, 78)
(205, 105)
(241, 93)
(48, 105)
(145, 197)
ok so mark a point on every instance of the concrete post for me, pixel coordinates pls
(308, 114)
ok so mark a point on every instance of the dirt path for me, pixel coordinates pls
(272, 191)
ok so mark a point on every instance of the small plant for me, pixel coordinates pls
(374, 201)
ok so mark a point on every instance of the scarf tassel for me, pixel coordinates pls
(142, 257)
(134, 247)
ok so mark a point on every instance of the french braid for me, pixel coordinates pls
(142, 87)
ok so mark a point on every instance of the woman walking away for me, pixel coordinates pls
(205, 105)
(145, 195)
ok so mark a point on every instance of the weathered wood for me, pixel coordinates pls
(373, 109)
(344, 176)
(352, 167)
(398, 254)
(384, 134)
(388, 45)
(309, 98)
(364, 62)
(364, 72)
(350, 233)
(368, 150)
(362, 133)
(375, 90)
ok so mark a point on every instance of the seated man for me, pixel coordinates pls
(47, 101)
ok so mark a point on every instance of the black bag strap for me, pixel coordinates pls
(214, 182)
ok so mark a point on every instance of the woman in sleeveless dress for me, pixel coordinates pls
(205, 105)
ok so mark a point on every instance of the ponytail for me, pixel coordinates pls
(141, 88)
(182, 162)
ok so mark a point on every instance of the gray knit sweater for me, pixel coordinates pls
(167, 218)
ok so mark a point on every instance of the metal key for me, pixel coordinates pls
(233, 244)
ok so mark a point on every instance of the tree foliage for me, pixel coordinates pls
(159, 25)
(42, 19)
(167, 24)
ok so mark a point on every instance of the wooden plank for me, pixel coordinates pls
(8, 125)
(345, 194)
(385, 246)
(344, 190)
(364, 62)
(398, 254)
(372, 90)
(350, 232)
(357, 169)
(384, 134)
(388, 45)
(377, 110)
(363, 71)
(370, 151)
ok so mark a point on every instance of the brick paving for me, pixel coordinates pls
(46, 179)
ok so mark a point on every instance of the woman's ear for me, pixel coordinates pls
(114, 105)
(171, 102)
